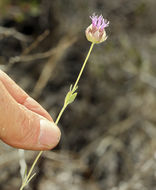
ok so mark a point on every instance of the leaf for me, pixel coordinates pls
(30, 178)
(74, 89)
(71, 86)
(70, 97)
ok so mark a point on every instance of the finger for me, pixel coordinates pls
(22, 97)
(22, 128)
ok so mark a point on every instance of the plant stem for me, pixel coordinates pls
(60, 114)
(30, 171)
(58, 117)
(83, 66)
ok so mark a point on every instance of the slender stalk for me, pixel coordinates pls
(58, 118)
(60, 114)
(83, 66)
(30, 171)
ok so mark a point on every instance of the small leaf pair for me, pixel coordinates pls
(71, 95)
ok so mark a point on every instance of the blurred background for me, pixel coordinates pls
(109, 133)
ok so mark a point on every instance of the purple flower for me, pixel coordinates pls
(99, 22)
(96, 31)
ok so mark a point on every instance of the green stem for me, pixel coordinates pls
(58, 118)
(83, 66)
(30, 171)
(60, 114)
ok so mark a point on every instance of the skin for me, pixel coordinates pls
(20, 119)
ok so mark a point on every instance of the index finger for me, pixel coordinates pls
(22, 97)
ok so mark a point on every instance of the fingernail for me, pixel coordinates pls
(49, 134)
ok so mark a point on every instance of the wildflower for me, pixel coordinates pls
(96, 31)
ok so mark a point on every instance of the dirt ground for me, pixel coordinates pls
(109, 133)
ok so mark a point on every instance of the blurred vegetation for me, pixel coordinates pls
(18, 9)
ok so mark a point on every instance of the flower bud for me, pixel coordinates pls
(96, 33)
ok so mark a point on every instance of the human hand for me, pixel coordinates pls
(23, 122)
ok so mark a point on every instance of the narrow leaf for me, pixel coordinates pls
(30, 178)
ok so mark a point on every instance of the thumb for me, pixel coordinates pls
(23, 128)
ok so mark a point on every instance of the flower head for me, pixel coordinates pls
(96, 31)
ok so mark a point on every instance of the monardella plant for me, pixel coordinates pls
(96, 34)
